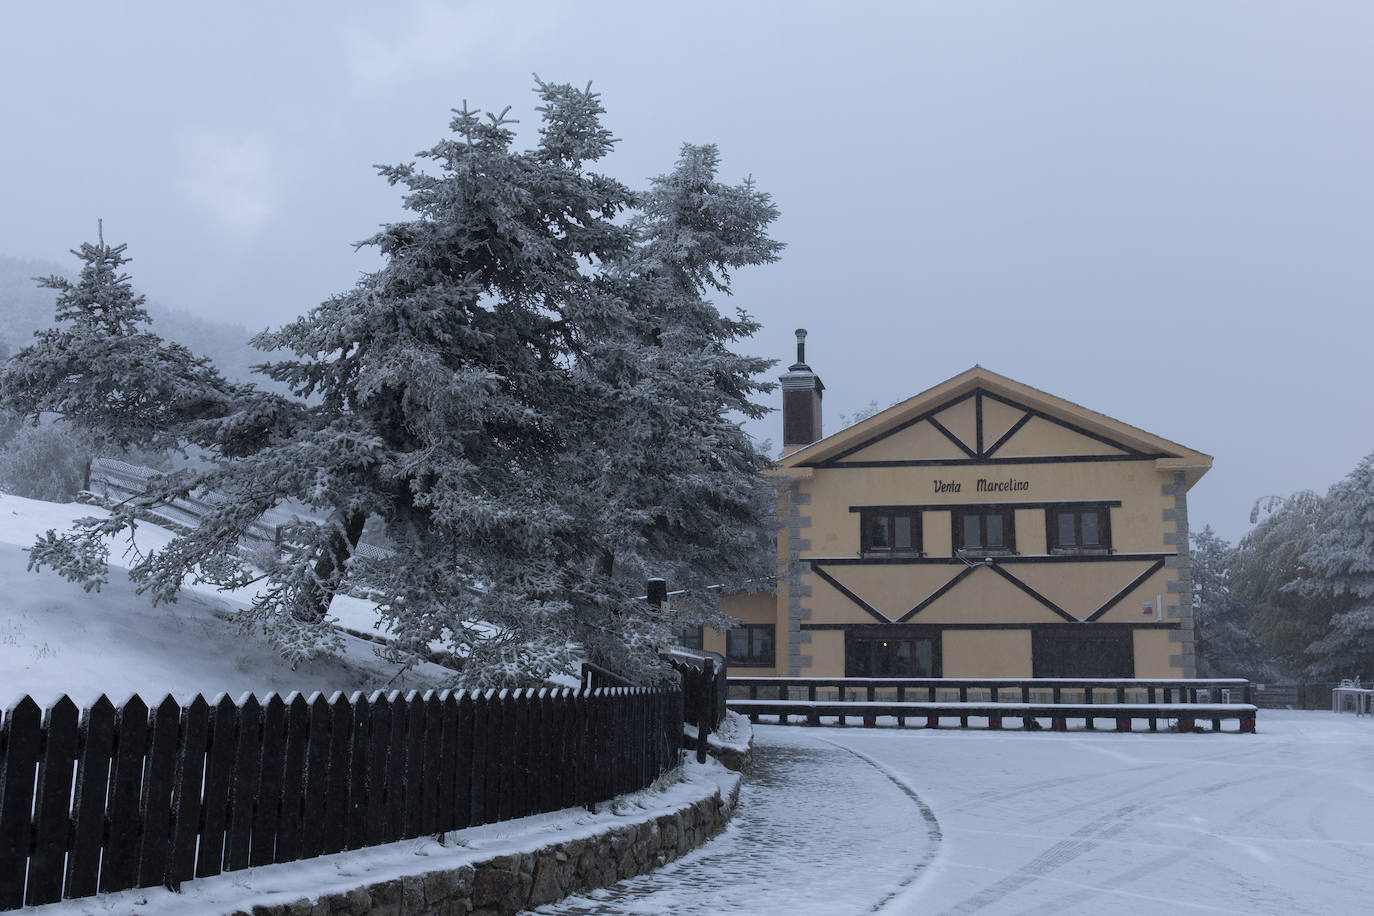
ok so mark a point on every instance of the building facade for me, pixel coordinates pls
(982, 528)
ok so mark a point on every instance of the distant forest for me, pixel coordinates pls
(26, 307)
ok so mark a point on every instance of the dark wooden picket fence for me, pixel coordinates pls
(107, 799)
(705, 684)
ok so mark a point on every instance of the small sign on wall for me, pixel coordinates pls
(1147, 609)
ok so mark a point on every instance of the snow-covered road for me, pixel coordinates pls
(819, 830)
(1281, 822)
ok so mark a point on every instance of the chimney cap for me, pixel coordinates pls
(800, 365)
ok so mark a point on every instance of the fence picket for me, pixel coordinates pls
(244, 783)
(52, 804)
(546, 776)
(19, 746)
(186, 789)
(431, 764)
(159, 770)
(323, 800)
(219, 781)
(498, 759)
(395, 813)
(519, 753)
(481, 772)
(267, 806)
(88, 806)
(379, 727)
(464, 767)
(119, 864)
(412, 782)
(445, 707)
(290, 811)
(359, 772)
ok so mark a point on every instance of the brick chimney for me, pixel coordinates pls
(801, 402)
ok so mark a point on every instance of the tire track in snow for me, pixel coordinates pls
(1257, 898)
(933, 833)
(815, 835)
(1105, 827)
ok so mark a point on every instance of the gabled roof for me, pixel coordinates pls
(980, 417)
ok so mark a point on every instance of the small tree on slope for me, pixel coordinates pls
(102, 372)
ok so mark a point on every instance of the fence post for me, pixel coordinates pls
(703, 700)
(658, 592)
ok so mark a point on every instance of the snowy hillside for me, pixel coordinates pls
(56, 638)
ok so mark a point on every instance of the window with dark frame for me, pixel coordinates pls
(1074, 651)
(688, 637)
(893, 655)
(891, 529)
(984, 529)
(1078, 529)
(750, 644)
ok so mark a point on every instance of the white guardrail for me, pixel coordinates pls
(116, 480)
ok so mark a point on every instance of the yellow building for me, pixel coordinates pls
(982, 528)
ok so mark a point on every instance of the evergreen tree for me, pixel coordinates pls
(1339, 568)
(1226, 642)
(666, 472)
(1265, 569)
(102, 372)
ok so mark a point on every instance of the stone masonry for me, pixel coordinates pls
(798, 610)
(1180, 598)
(507, 884)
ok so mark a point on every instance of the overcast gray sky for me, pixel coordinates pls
(1160, 210)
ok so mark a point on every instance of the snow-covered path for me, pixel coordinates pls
(819, 830)
(1281, 822)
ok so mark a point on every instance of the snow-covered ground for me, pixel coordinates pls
(56, 638)
(850, 820)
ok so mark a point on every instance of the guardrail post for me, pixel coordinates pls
(704, 722)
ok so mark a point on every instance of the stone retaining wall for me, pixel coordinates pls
(510, 883)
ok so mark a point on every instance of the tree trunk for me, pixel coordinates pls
(330, 567)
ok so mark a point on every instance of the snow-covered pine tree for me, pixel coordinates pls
(1266, 565)
(1226, 642)
(664, 469)
(101, 371)
(1339, 567)
(444, 380)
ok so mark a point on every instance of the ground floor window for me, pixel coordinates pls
(891, 654)
(750, 644)
(688, 637)
(1087, 650)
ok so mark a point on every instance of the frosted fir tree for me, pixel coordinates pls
(1339, 567)
(103, 372)
(1226, 643)
(1265, 567)
(666, 472)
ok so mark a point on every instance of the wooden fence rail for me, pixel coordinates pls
(112, 798)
